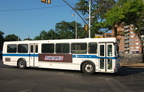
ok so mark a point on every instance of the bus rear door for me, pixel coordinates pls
(106, 57)
(33, 55)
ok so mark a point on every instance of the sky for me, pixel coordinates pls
(27, 18)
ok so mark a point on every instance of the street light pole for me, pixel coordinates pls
(75, 11)
(75, 27)
(89, 18)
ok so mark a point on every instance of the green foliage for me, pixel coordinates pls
(66, 30)
(82, 6)
(46, 35)
(12, 37)
(27, 39)
(63, 30)
(1, 39)
(110, 12)
(1, 36)
(115, 15)
(99, 9)
(129, 13)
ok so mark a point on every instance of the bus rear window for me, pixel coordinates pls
(11, 48)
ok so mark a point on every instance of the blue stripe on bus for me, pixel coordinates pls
(91, 56)
(24, 55)
(73, 56)
(85, 56)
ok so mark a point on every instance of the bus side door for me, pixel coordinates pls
(33, 56)
(106, 55)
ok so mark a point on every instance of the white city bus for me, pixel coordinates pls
(88, 55)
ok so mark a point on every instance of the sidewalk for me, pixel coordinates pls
(132, 65)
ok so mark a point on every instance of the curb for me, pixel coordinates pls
(136, 65)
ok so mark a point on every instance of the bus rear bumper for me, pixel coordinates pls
(9, 64)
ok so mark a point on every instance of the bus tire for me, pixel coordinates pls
(88, 68)
(21, 64)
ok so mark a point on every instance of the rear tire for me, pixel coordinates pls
(21, 64)
(88, 68)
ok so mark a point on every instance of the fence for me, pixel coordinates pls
(134, 58)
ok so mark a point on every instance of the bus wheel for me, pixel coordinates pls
(88, 68)
(21, 64)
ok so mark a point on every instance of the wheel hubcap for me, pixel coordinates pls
(89, 68)
(21, 64)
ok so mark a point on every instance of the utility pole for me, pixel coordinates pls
(89, 18)
(76, 26)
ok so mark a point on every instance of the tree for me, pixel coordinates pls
(131, 12)
(28, 38)
(52, 34)
(1, 40)
(63, 30)
(43, 36)
(99, 9)
(46, 35)
(66, 30)
(12, 37)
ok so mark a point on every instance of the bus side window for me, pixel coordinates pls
(92, 47)
(79, 48)
(47, 48)
(109, 53)
(22, 48)
(11, 48)
(31, 48)
(62, 48)
(36, 48)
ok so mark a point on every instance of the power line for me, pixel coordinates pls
(30, 8)
(75, 11)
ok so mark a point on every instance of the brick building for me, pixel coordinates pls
(129, 41)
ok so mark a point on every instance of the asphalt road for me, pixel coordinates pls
(13, 79)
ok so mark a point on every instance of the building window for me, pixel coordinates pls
(136, 39)
(132, 47)
(131, 32)
(131, 39)
(137, 47)
(137, 43)
(131, 44)
(132, 36)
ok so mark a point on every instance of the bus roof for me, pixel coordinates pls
(66, 40)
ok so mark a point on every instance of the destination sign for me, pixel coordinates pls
(55, 58)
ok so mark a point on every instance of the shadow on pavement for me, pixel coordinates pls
(125, 71)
